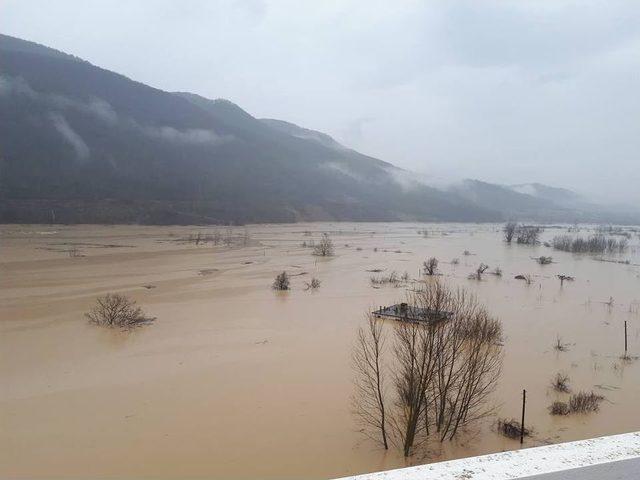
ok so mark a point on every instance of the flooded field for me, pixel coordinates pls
(235, 380)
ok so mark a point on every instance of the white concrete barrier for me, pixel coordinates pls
(527, 462)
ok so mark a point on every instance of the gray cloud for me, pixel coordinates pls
(95, 106)
(342, 169)
(102, 110)
(192, 136)
(512, 92)
(15, 86)
(71, 136)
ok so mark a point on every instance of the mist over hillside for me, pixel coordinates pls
(80, 144)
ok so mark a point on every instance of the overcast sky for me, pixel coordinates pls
(503, 91)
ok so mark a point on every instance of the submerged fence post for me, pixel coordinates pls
(625, 338)
(524, 402)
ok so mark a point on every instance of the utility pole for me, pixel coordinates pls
(524, 402)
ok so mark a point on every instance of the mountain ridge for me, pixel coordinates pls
(81, 144)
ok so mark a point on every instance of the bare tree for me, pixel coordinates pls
(448, 368)
(324, 248)
(509, 231)
(430, 266)
(314, 284)
(116, 310)
(564, 278)
(281, 282)
(369, 399)
(560, 382)
(584, 402)
(468, 364)
(445, 368)
(414, 352)
(477, 275)
(559, 345)
(528, 235)
(559, 408)
(511, 428)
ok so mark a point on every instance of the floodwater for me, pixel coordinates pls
(235, 380)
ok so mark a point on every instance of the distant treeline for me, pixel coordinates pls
(592, 244)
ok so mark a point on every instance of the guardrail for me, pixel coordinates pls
(615, 457)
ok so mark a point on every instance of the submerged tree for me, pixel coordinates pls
(314, 284)
(512, 428)
(281, 282)
(116, 310)
(369, 398)
(509, 231)
(430, 266)
(468, 363)
(325, 247)
(528, 234)
(584, 402)
(444, 368)
(564, 278)
(543, 260)
(477, 275)
(560, 382)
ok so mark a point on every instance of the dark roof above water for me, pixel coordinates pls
(411, 313)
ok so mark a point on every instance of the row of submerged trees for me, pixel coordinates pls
(598, 243)
(593, 244)
(421, 381)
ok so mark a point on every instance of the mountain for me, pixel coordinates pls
(541, 203)
(82, 144)
(299, 132)
(545, 192)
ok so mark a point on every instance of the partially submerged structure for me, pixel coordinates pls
(410, 313)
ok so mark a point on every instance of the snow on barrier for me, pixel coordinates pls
(530, 461)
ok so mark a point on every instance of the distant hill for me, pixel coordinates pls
(541, 203)
(299, 132)
(553, 194)
(80, 144)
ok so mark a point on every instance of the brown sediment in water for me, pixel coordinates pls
(234, 380)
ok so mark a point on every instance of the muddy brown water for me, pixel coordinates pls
(234, 380)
